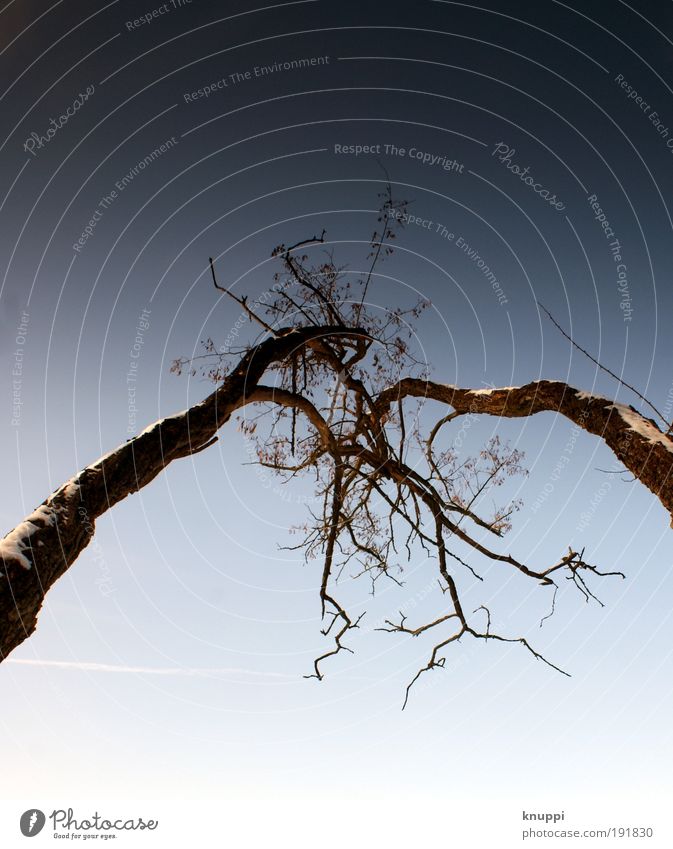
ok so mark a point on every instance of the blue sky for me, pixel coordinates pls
(179, 640)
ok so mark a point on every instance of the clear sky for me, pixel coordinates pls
(174, 650)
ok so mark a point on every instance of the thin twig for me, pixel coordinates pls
(600, 365)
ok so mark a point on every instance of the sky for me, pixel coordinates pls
(174, 650)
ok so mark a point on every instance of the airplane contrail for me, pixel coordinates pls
(201, 672)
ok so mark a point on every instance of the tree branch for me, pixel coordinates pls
(636, 441)
(40, 549)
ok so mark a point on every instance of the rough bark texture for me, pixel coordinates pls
(637, 442)
(40, 550)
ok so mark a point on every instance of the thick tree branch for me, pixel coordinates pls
(39, 550)
(636, 441)
(367, 454)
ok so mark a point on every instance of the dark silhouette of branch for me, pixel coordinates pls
(39, 550)
(600, 365)
(334, 390)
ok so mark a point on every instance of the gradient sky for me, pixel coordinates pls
(179, 639)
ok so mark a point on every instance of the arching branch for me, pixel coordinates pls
(39, 550)
(636, 441)
(334, 377)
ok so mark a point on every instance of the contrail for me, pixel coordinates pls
(199, 672)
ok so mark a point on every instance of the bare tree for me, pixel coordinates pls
(332, 389)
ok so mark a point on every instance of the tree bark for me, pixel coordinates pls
(636, 441)
(39, 550)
